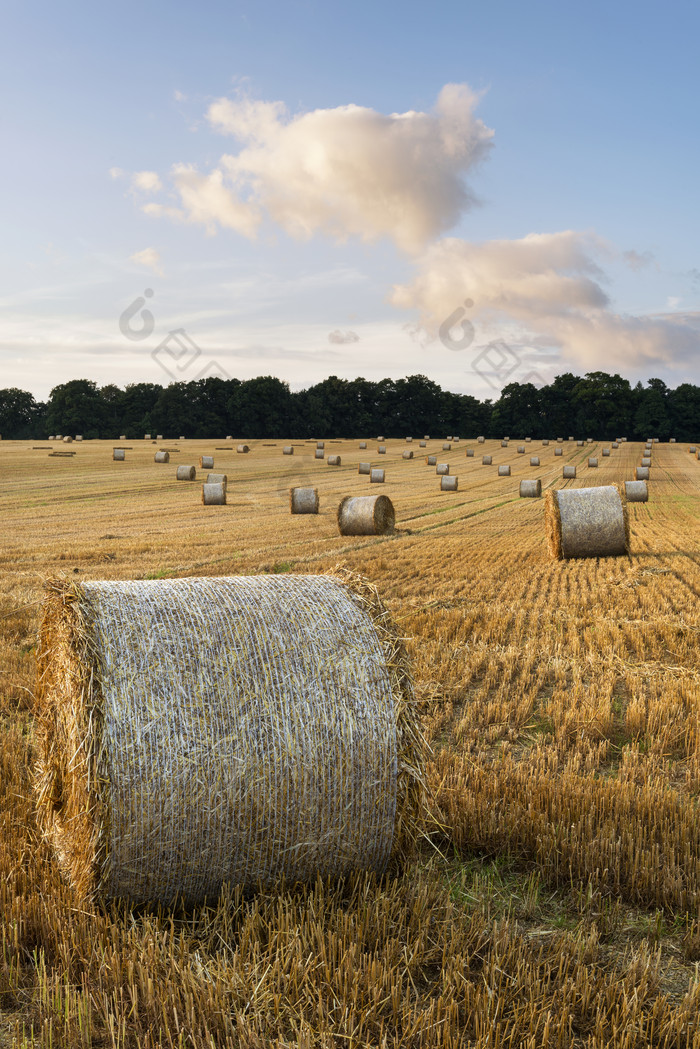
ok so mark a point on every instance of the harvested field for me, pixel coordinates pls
(555, 898)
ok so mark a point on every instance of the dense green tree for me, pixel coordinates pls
(519, 411)
(20, 415)
(684, 407)
(75, 407)
(652, 417)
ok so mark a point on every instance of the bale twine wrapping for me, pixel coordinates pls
(569, 473)
(161, 457)
(520, 449)
(407, 454)
(503, 470)
(446, 446)
(206, 462)
(587, 522)
(288, 449)
(334, 460)
(592, 461)
(606, 452)
(319, 453)
(636, 491)
(303, 500)
(217, 479)
(558, 451)
(480, 440)
(186, 473)
(271, 731)
(486, 460)
(364, 468)
(470, 453)
(242, 448)
(449, 484)
(641, 473)
(431, 460)
(214, 494)
(381, 450)
(376, 475)
(366, 515)
(646, 460)
(118, 455)
(534, 460)
(442, 469)
(530, 489)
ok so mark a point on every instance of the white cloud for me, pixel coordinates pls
(116, 173)
(150, 258)
(343, 337)
(146, 181)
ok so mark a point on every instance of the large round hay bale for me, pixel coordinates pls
(528, 440)
(448, 438)
(571, 438)
(320, 444)
(214, 494)
(366, 515)
(587, 522)
(531, 489)
(288, 449)
(442, 469)
(376, 475)
(363, 445)
(456, 440)
(558, 451)
(270, 732)
(431, 460)
(186, 473)
(67, 440)
(480, 440)
(217, 479)
(78, 437)
(159, 436)
(606, 452)
(636, 491)
(589, 440)
(422, 444)
(407, 454)
(592, 461)
(409, 440)
(486, 460)
(426, 436)
(334, 460)
(118, 455)
(122, 437)
(693, 449)
(303, 500)
(520, 449)
(470, 453)
(381, 450)
(206, 462)
(380, 439)
(161, 457)
(446, 446)
(504, 444)
(646, 460)
(504, 470)
(545, 443)
(534, 460)
(641, 473)
(319, 453)
(579, 444)
(615, 444)
(672, 440)
(449, 484)
(569, 473)
(364, 468)
(147, 437)
(242, 448)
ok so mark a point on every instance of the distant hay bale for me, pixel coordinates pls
(571, 438)
(122, 437)
(636, 491)
(587, 522)
(186, 473)
(206, 462)
(319, 453)
(579, 444)
(217, 479)
(118, 455)
(409, 440)
(641, 473)
(449, 484)
(303, 500)
(52, 438)
(558, 451)
(506, 438)
(381, 450)
(407, 454)
(656, 440)
(320, 444)
(486, 460)
(615, 444)
(376, 475)
(646, 460)
(229, 437)
(456, 440)
(242, 449)
(672, 440)
(366, 515)
(364, 468)
(446, 446)
(442, 469)
(560, 440)
(426, 436)
(592, 461)
(380, 439)
(271, 731)
(528, 440)
(530, 489)
(363, 445)
(504, 470)
(159, 436)
(431, 460)
(569, 473)
(606, 452)
(448, 439)
(545, 443)
(67, 440)
(504, 444)
(422, 444)
(334, 460)
(147, 437)
(182, 438)
(161, 457)
(692, 449)
(534, 460)
(78, 437)
(480, 440)
(589, 440)
(214, 494)
(470, 453)
(288, 449)
(520, 449)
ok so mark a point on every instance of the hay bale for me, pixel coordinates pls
(446, 446)
(692, 449)
(363, 445)
(615, 444)
(159, 436)
(503, 470)
(214, 494)
(579, 444)
(528, 440)
(381, 450)
(364, 468)
(122, 437)
(442, 469)
(271, 731)
(571, 438)
(118, 455)
(182, 438)
(147, 437)
(217, 479)
(376, 475)
(448, 439)
(534, 460)
(319, 453)
(422, 444)
(486, 460)
(242, 449)
(366, 515)
(334, 460)
(520, 449)
(587, 522)
(636, 491)
(380, 439)
(589, 440)
(303, 500)
(480, 440)
(672, 440)
(409, 440)
(431, 460)
(560, 440)
(161, 457)
(320, 444)
(206, 462)
(504, 444)
(506, 438)
(407, 455)
(67, 440)
(288, 449)
(592, 461)
(569, 473)
(656, 440)
(456, 440)
(470, 453)
(646, 460)
(606, 452)
(78, 437)
(449, 484)
(426, 436)
(186, 473)
(641, 473)
(530, 489)
(229, 437)
(558, 451)
(545, 443)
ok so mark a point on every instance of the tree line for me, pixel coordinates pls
(596, 405)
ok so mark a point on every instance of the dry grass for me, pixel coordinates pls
(557, 902)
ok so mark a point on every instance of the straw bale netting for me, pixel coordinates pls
(288, 449)
(381, 450)
(636, 491)
(363, 445)
(449, 484)
(118, 455)
(520, 449)
(470, 453)
(303, 500)
(442, 469)
(319, 453)
(366, 515)
(530, 489)
(214, 494)
(486, 460)
(480, 440)
(606, 452)
(587, 522)
(558, 451)
(569, 473)
(407, 454)
(242, 448)
(334, 460)
(217, 479)
(504, 471)
(431, 460)
(646, 460)
(446, 446)
(592, 461)
(534, 460)
(272, 731)
(186, 473)
(364, 468)
(161, 457)
(206, 462)
(376, 475)
(641, 473)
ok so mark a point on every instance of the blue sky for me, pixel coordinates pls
(554, 190)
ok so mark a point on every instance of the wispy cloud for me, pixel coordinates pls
(150, 258)
(343, 337)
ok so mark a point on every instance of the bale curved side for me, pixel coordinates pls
(303, 500)
(587, 522)
(214, 494)
(366, 515)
